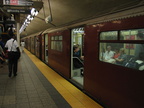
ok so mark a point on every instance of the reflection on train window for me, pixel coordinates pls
(136, 34)
(123, 54)
(110, 35)
(56, 43)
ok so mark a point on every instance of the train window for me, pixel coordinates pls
(52, 45)
(124, 54)
(56, 43)
(56, 37)
(136, 34)
(52, 38)
(60, 38)
(110, 35)
(59, 45)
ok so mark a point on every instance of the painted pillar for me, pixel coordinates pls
(17, 17)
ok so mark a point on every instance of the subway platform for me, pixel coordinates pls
(38, 86)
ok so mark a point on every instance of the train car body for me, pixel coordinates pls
(44, 48)
(112, 85)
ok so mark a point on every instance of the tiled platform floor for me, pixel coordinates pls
(29, 89)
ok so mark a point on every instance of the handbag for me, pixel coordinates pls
(17, 54)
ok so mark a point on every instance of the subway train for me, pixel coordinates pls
(112, 69)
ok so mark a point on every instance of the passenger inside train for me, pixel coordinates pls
(109, 54)
(77, 52)
(77, 58)
(116, 53)
(121, 58)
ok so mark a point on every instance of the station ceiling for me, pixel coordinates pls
(65, 12)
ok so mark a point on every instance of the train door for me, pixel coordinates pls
(43, 48)
(35, 45)
(32, 45)
(29, 43)
(46, 48)
(77, 55)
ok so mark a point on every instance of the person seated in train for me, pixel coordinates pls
(122, 57)
(108, 56)
(139, 47)
(77, 52)
(116, 53)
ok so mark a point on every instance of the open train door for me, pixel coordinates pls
(77, 55)
(46, 48)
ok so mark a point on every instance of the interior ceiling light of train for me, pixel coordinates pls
(78, 30)
(29, 18)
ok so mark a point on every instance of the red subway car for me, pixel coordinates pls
(102, 58)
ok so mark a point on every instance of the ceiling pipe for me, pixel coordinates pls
(50, 14)
(50, 10)
(44, 12)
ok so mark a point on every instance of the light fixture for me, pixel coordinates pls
(29, 18)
